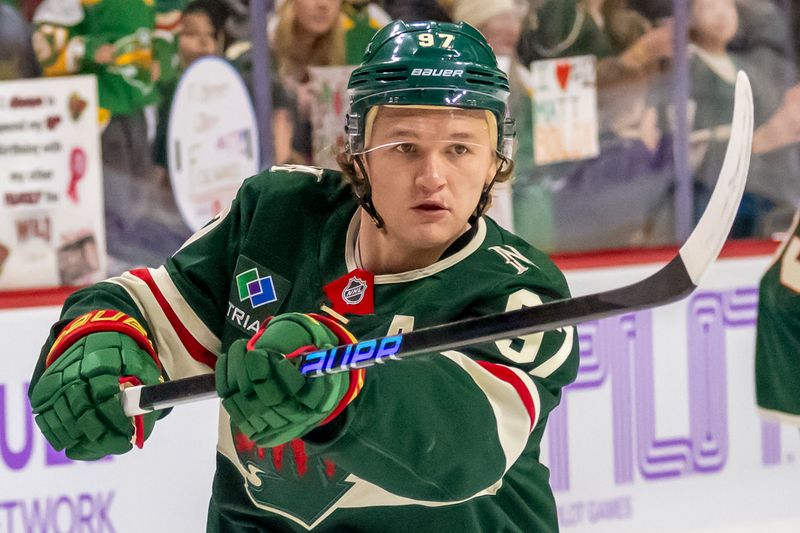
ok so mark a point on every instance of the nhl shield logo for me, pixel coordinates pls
(354, 291)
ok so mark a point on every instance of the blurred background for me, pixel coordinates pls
(622, 111)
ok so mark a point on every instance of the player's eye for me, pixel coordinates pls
(460, 149)
(405, 148)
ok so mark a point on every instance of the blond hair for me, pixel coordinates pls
(328, 49)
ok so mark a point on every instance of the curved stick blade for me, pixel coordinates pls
(705, 242)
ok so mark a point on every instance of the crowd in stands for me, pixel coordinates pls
(138, 49)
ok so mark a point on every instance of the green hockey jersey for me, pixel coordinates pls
(68, 33)
(442, 442)
(778, 333)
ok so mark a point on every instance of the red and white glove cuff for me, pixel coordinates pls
(97, 321)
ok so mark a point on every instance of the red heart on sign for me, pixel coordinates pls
(562, 74)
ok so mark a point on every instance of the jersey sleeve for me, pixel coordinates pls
(178, 304)
(777, 360)
(448, 426)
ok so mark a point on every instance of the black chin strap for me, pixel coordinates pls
(483, 201)
(366, 201)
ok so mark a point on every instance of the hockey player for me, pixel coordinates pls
(395, 241)
(778, 333)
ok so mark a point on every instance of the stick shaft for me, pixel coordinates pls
(674, 281)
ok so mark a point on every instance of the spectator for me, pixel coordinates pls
(362, 18)
(417, 10)
(112, 39)
(165, 42)
(772, 186)
(17, 59)
(317, 38)
(626, 44)
(200, 33)
(501, 23)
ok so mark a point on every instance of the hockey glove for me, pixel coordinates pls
(76, 402)
(267, 397)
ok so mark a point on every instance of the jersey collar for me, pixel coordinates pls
(354, 262)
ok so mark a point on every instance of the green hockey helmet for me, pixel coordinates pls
(431, 64)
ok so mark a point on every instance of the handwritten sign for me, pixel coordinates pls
(328, 109)
(564, 109)
(51, 207)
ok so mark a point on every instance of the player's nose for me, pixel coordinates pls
(430, 174)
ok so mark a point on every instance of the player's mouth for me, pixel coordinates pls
(430, 208)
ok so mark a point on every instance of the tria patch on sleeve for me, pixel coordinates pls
(352, 294)
(256, 293)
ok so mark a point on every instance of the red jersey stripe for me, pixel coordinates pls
(506, 374)
(197, 351)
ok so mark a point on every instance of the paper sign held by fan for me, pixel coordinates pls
(564, 92)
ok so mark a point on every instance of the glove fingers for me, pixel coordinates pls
(286, 374)
(91, 425)
(48, 433)
(112, 413)
(237, 372)
(274, 419)
(77, 395)
(44, 393)
(224, 377)
(101, 362)
(243, 415)
(293, 413)
(67, 418)
(269, 394)
(107, 444)
(56, 429)
(133, 364)
(258, 365)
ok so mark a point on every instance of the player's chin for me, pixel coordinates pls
(434, 235)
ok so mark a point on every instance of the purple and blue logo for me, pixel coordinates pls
(259, 290)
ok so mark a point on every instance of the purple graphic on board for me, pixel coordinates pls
(15, 459)
(620, 350)
(771, 443)
(17, 456)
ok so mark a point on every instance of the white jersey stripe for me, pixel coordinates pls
(513, 421)
(173, 354)
(556, 360)
(188, 317)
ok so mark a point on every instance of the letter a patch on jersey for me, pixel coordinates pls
(352, 293)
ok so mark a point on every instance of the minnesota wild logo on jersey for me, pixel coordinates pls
(291, 481)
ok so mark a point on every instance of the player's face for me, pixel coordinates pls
(427, 168)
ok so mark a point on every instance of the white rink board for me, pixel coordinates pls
(746, 479)
(163, 487)
(638, 455)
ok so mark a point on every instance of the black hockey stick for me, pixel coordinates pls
(672, 282)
